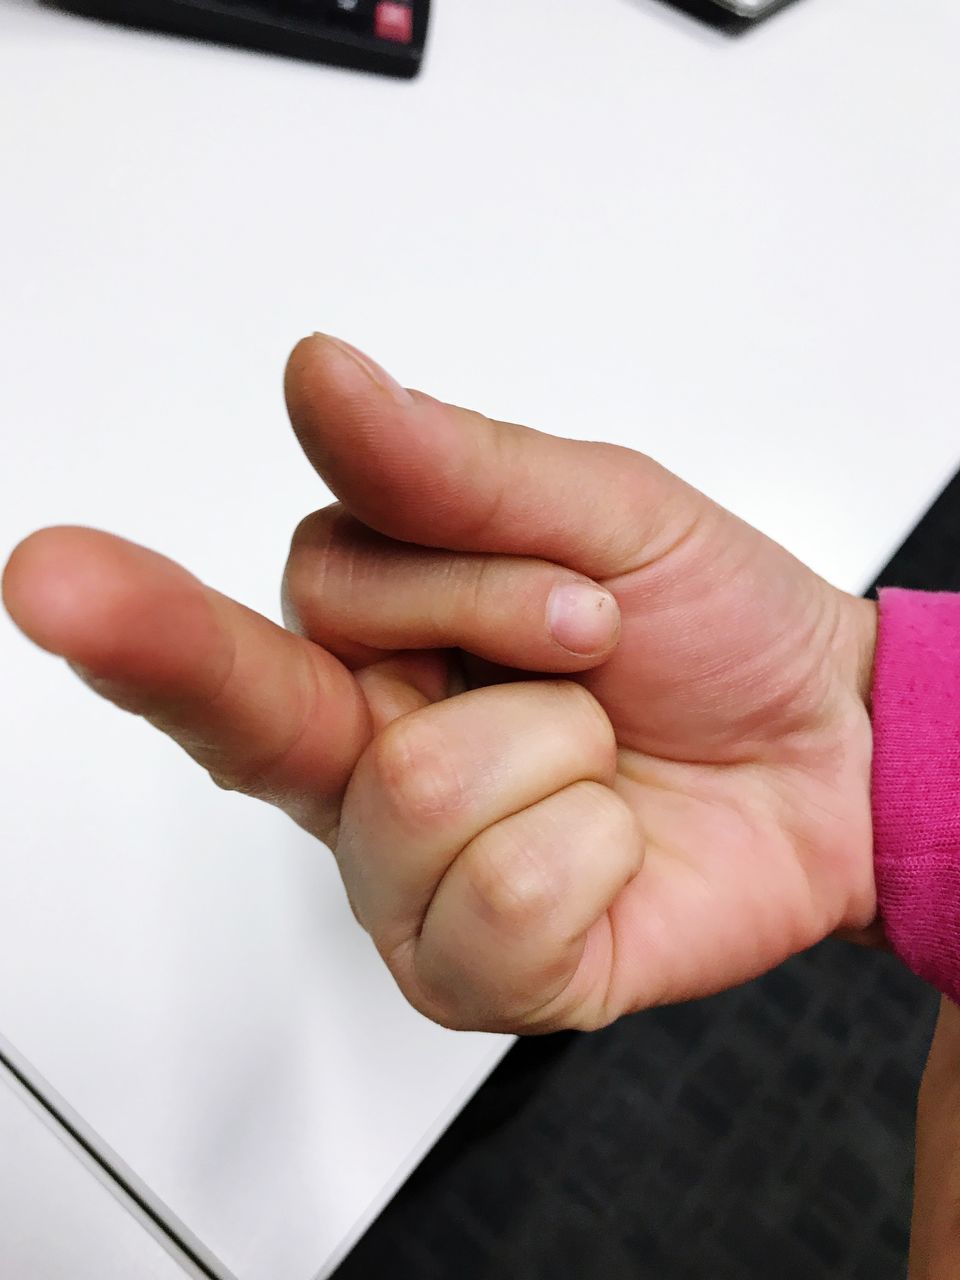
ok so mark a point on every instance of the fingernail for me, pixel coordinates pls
(370, 367)
(582, 617)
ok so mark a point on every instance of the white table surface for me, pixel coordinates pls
(606, 220)
(59, 1218)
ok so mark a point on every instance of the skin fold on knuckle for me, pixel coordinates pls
(508, 888)
(482, 587)
(414, 772)
(519, 891)
(305, 572)
(514, 887)
(260, 776)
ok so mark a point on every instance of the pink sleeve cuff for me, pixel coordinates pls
(916, 781)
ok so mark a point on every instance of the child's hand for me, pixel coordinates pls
(529, 854)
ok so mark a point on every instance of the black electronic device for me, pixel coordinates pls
(386, 36)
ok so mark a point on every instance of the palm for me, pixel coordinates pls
(745, 758)
(735, 879)
(744, 755)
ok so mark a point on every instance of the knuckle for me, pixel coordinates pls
(414, 768)
(308, 543)
(482, 584)
(318, 572)
(262, 774)
(511, 882)
(295, 586)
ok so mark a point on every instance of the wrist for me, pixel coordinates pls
(862, 646)
(855, 651)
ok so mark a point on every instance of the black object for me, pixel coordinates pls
(725, 16)
(386, 36)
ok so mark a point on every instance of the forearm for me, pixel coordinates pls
(935, 1236)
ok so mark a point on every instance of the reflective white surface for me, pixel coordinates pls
(749, 8)
(58, 1218)
(739, 255)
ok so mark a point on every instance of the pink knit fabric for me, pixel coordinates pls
(916, 781)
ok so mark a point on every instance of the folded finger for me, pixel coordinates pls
(360, 594)
(516, 937)
(434, 779)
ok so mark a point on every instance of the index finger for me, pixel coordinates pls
(264, 711)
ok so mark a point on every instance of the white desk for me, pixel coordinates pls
(58, 1218)
(739, 255)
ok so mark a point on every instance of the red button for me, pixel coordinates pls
(392, 21)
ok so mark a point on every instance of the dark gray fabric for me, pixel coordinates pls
(765, 1133)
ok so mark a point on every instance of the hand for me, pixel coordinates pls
(682, 815)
